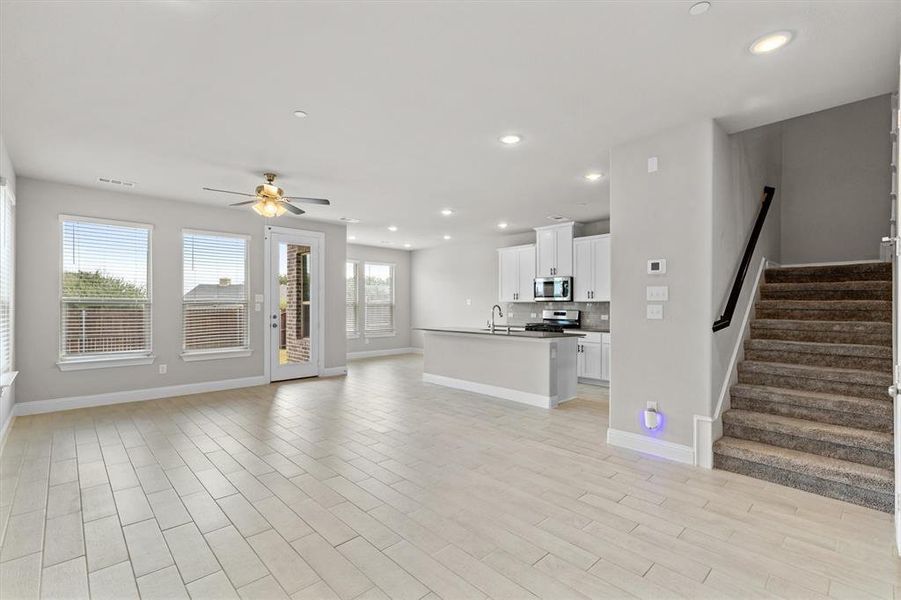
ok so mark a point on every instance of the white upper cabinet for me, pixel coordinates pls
(555, 250)
(516, 273)
(591, 268)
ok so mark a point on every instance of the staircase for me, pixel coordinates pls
(810, 409)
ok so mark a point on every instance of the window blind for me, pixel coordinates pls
(378, 296)
(215, 295)
(351, 312)
(105, 288)
(7, 279)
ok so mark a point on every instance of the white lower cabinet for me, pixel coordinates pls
(593, 358)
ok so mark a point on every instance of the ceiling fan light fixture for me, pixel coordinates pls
(267, 207)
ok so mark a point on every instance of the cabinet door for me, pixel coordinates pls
(583, 270)
(526, 267)
(564, 252)
(601, 269)
(591, 355)
(546, 242)
(605, 361)
(508, 276)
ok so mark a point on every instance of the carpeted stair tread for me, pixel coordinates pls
(862, 350)
(881, 409)
(879, 271)
(802, 428)
(862, 305)
(827, 290)
(865, 332)
(821, 373)
(822, 467)
(825, 310)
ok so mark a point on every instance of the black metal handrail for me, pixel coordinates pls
(726, 319)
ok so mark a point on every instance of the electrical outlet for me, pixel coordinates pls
(164, 369)
(257, 307)
(652, 405)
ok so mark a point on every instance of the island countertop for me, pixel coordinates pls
(500, 331)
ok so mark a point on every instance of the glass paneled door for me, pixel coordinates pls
(294, 306)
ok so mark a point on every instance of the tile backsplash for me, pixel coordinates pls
(593, 313)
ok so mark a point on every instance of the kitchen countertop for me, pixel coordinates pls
(499, 331)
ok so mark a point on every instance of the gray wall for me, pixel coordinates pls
(401, 260)
(446, 277)
(836, 182)
(37, 327)
(7, 172)
(665, 214)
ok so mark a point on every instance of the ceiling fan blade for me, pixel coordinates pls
(292, 208)
(229, 192)
(322, 201)
(243, 203)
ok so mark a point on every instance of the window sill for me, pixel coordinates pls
(215, 354)
(83, 364)
(381, 334)
(6, 380)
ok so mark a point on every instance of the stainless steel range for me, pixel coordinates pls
(557, 320)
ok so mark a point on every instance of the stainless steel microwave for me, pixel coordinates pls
(553, 289)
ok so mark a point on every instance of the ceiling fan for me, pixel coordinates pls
(270, 200)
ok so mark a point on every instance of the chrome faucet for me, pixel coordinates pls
(500, 313)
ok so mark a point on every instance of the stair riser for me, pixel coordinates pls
(866, 272)
(877, 392)
(770, 294)
(873, 422)
(831, 337)
(825, 314)
(861, 496)
(821, 360)
(864, 456)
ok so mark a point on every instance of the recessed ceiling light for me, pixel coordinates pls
(351, 237)
(349, 219)
(770, 42)
(447, 237)
(593, 176)
(408, 245)
(392, 227)
(447, 212)
(502, 225)
(511, 139)
(300, 114)
(699, 8)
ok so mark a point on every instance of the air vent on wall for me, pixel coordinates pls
(117, 182)
(558, 218)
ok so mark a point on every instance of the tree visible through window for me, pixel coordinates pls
(105, 288)
(378, 298)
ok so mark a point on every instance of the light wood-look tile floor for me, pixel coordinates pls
(379, 486)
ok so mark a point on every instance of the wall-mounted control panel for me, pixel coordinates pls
(656, 266)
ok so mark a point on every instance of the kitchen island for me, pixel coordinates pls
(532, 367)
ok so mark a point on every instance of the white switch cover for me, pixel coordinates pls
(657, 293)
(257, 307)
(652, 164)
(163, 369)
(258, 298)
(605, 317)
(655, 311)
(469, 302)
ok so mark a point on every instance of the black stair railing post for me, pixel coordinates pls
(726, 318)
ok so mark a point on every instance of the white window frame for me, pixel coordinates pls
(386, 333)
(223, 353)
(8, 372)
(104, 360)
(355, 335)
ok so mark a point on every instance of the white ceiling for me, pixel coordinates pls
(406, 100)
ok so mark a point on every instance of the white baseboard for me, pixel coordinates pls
(57, 404)
(649, 445)
(374, 353)
(492, 390)
(4, 431)
(416, 350)
(333, 371)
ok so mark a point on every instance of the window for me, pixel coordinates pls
(378, 296)
(352, 303)
(215, 294)
(7, 279)
(104, 290)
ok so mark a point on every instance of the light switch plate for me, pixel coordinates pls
(258, 298)
(652, 164)
(655, 312)
(257, 307)
(657, 293)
